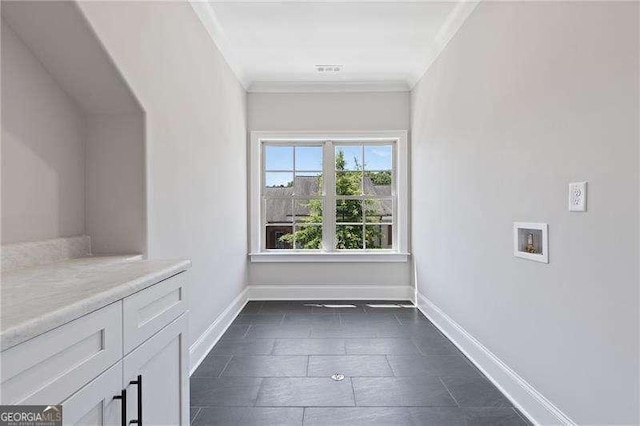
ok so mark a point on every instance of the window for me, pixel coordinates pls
(328, 195)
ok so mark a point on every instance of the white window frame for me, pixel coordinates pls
(400, 253)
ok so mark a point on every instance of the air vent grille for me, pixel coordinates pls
(328, 68)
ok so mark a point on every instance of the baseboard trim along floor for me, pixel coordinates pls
(207, 340)
(330, 292)
(525, 397)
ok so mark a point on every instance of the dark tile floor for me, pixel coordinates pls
(273, 366)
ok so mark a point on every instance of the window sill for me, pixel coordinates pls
(328, 257)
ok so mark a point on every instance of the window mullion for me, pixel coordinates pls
(329, 212)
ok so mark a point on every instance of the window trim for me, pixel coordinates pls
(399, 254)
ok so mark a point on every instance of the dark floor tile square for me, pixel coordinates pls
(431, 365)
(211, 366)
(392, 331)
(436, 345)
(305, 392)
(475, 392)
(311, 319)
(266, 366)
(465, 416)
(251, 308)
(309, 347)
(401, 392)
(412, 316)
(357, 416)
(276, 307)
(274, 331)
(349, 365)
(243, 347)
(235, 331)
(381, 347)
(343, 331)
(224, 391)
(438, 416)
(249, 416)
(272, 319)
(375, 319)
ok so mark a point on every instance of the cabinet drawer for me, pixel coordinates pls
(49, 368)
(148, 311)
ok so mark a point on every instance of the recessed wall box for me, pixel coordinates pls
(531, 241)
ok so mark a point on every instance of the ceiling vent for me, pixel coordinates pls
(328, 68)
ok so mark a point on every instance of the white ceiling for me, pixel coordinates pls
(381, 45)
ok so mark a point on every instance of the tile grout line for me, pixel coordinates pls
(225, 366)
(247, 331)
(393, 373)
(255, 402)
(447, 389)
(420, 352)
(196, 415)
(353, 391)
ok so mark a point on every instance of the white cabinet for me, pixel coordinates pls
(94, 404)
(160, 364)
(148, 311)
(48, 368)
(100, 363)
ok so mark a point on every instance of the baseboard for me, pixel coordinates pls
(525, 397)
(330, 292)
(207, 340)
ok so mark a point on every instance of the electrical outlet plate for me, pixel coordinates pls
(578, 197)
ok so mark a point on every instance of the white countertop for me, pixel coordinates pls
(40, 298)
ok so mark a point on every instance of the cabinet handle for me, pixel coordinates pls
(123, 410)
(138, 382)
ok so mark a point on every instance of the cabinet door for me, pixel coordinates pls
(94, 403)
(161, 362)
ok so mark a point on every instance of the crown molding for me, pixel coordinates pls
(208, 17)
(447, 31)
(328, 87)
(449, 28)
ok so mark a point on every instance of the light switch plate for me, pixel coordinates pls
(578, 197)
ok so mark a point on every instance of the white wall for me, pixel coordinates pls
(195, 143)
(526, 98)
(42, 150)
(115, 186)
(329, 112)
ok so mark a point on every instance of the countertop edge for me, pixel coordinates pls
(48, 322)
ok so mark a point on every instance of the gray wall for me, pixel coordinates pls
(42, 150)
(328, 112)
(195, 144)
(115, 183)
(526, 98)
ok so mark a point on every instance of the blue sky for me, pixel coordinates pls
(309, 158)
